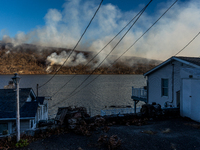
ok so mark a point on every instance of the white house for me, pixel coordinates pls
(176, 83)
(32, 109)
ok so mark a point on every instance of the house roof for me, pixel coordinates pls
(192, 61)
(8, 103)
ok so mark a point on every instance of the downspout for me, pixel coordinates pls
(172, 83)
(166, 103)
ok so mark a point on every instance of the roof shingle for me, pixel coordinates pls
(8, 103)
(194, 60)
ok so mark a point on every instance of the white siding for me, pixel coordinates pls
(154, 83)
(29, 99)
(45, 112)
(10, 127)
(24, 125)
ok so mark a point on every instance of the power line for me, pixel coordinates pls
(145, 32)
(74, 46)
(98, 52)
(71, 94)
(113, 47)
(187, 44)
(123, 53)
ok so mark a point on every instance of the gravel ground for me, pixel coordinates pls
(181, 134)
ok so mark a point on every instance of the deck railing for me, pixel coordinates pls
(139, 92)
(118, 111)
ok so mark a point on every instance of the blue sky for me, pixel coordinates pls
(60, 24)
(25, 15)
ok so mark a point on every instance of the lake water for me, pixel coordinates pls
(106, 90)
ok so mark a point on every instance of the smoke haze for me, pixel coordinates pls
(167, 37)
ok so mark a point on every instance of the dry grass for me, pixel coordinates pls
(167, 130)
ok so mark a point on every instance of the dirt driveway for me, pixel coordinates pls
(175, 134)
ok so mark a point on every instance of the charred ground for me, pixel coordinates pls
(32, 59)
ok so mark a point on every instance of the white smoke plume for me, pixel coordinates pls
(168, 36)
(73, 60)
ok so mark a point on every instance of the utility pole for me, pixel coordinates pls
(16, 80)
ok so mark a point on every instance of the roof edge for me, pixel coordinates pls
(167, 61)
(160, 65)
(23, 118)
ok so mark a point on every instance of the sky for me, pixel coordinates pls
(23, 15)
(60, 24)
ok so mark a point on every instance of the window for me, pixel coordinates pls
(3, 126)
(164, 87)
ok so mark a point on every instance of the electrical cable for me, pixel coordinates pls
(187, 44)
(145, 32)
(97, 53)
(71, 94)
(112, 49)
(123, 53)
(74, 46)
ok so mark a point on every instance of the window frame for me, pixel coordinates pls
(164, 88)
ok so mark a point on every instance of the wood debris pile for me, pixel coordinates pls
(77, 120)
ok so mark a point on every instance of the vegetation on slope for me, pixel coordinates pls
(28, 59)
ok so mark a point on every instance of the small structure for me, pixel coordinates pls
(32, 109)
(190, 95)
(175, 83)
(139, 94)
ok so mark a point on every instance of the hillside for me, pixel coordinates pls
(32, 59)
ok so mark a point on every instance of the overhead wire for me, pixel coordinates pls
(112, 49)
(74, 46)
(188, 44)
(122, 54)
(145, 32)
(98, 53)
(71, 94)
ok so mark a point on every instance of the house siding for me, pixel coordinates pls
(24, 125)
(165, 72)
(45, 112)
(5, 122)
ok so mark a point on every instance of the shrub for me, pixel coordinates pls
(22, 143)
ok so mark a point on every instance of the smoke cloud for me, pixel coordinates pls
(167, 37)
(73, 60)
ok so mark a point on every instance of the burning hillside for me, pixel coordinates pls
(32, 59)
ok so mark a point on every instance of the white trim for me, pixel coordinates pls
(33, 93)
(186, 62)
(26, 118)
(167, 61)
